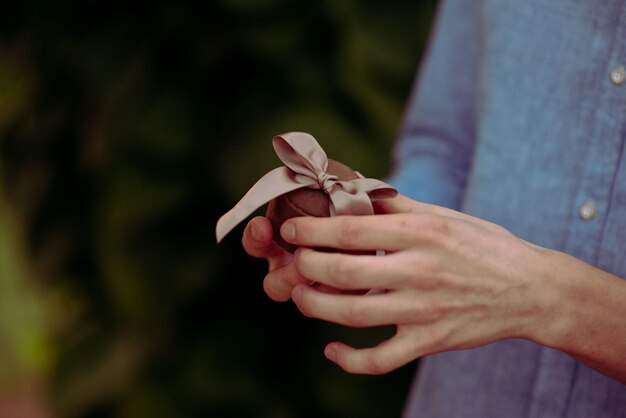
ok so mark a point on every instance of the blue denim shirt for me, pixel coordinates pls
(519, 117)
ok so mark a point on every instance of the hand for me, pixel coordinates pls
(282, 277)
(452, 281)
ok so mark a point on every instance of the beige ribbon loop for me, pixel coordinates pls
(305, 166)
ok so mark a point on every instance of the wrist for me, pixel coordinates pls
(553, 319)
(573, 294)
(580, 311)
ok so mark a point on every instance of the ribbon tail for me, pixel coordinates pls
(377, 189)
(275, 183)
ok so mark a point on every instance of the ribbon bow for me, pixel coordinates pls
(305, 166)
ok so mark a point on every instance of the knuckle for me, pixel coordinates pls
(440, 226)
(343, 271)
(348, 233)
(356, 315)
(424, 272)
(349, 363)
(434, 311)
(427, 312)
(437, 339)
(435, 228)
(431, 267)
(410, 224)
(406, 277)
(502, 231)
(301, 263)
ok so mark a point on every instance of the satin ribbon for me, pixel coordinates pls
(305, 166)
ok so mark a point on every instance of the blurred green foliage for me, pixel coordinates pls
(126, 130)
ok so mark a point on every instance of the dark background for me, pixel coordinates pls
(125, 132)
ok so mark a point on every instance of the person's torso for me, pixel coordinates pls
(548, 165)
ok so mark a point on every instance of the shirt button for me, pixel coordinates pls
(617, 75)
(587, 211)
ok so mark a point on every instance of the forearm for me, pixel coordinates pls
(585, 314)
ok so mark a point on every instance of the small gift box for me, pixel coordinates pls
(310, 184)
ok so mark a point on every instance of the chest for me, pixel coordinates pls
(551, 117)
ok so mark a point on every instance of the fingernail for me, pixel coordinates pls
(254, 231)
(330, 354)
(296, 296)
(288, 231)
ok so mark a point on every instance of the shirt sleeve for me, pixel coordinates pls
(433, 153)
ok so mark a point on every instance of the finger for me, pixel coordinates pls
(357, 311)
(353, 272)
(385, 357)
(400, 204)
(403, 204)
(379, 232)
(258, 239)
(279, 283)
